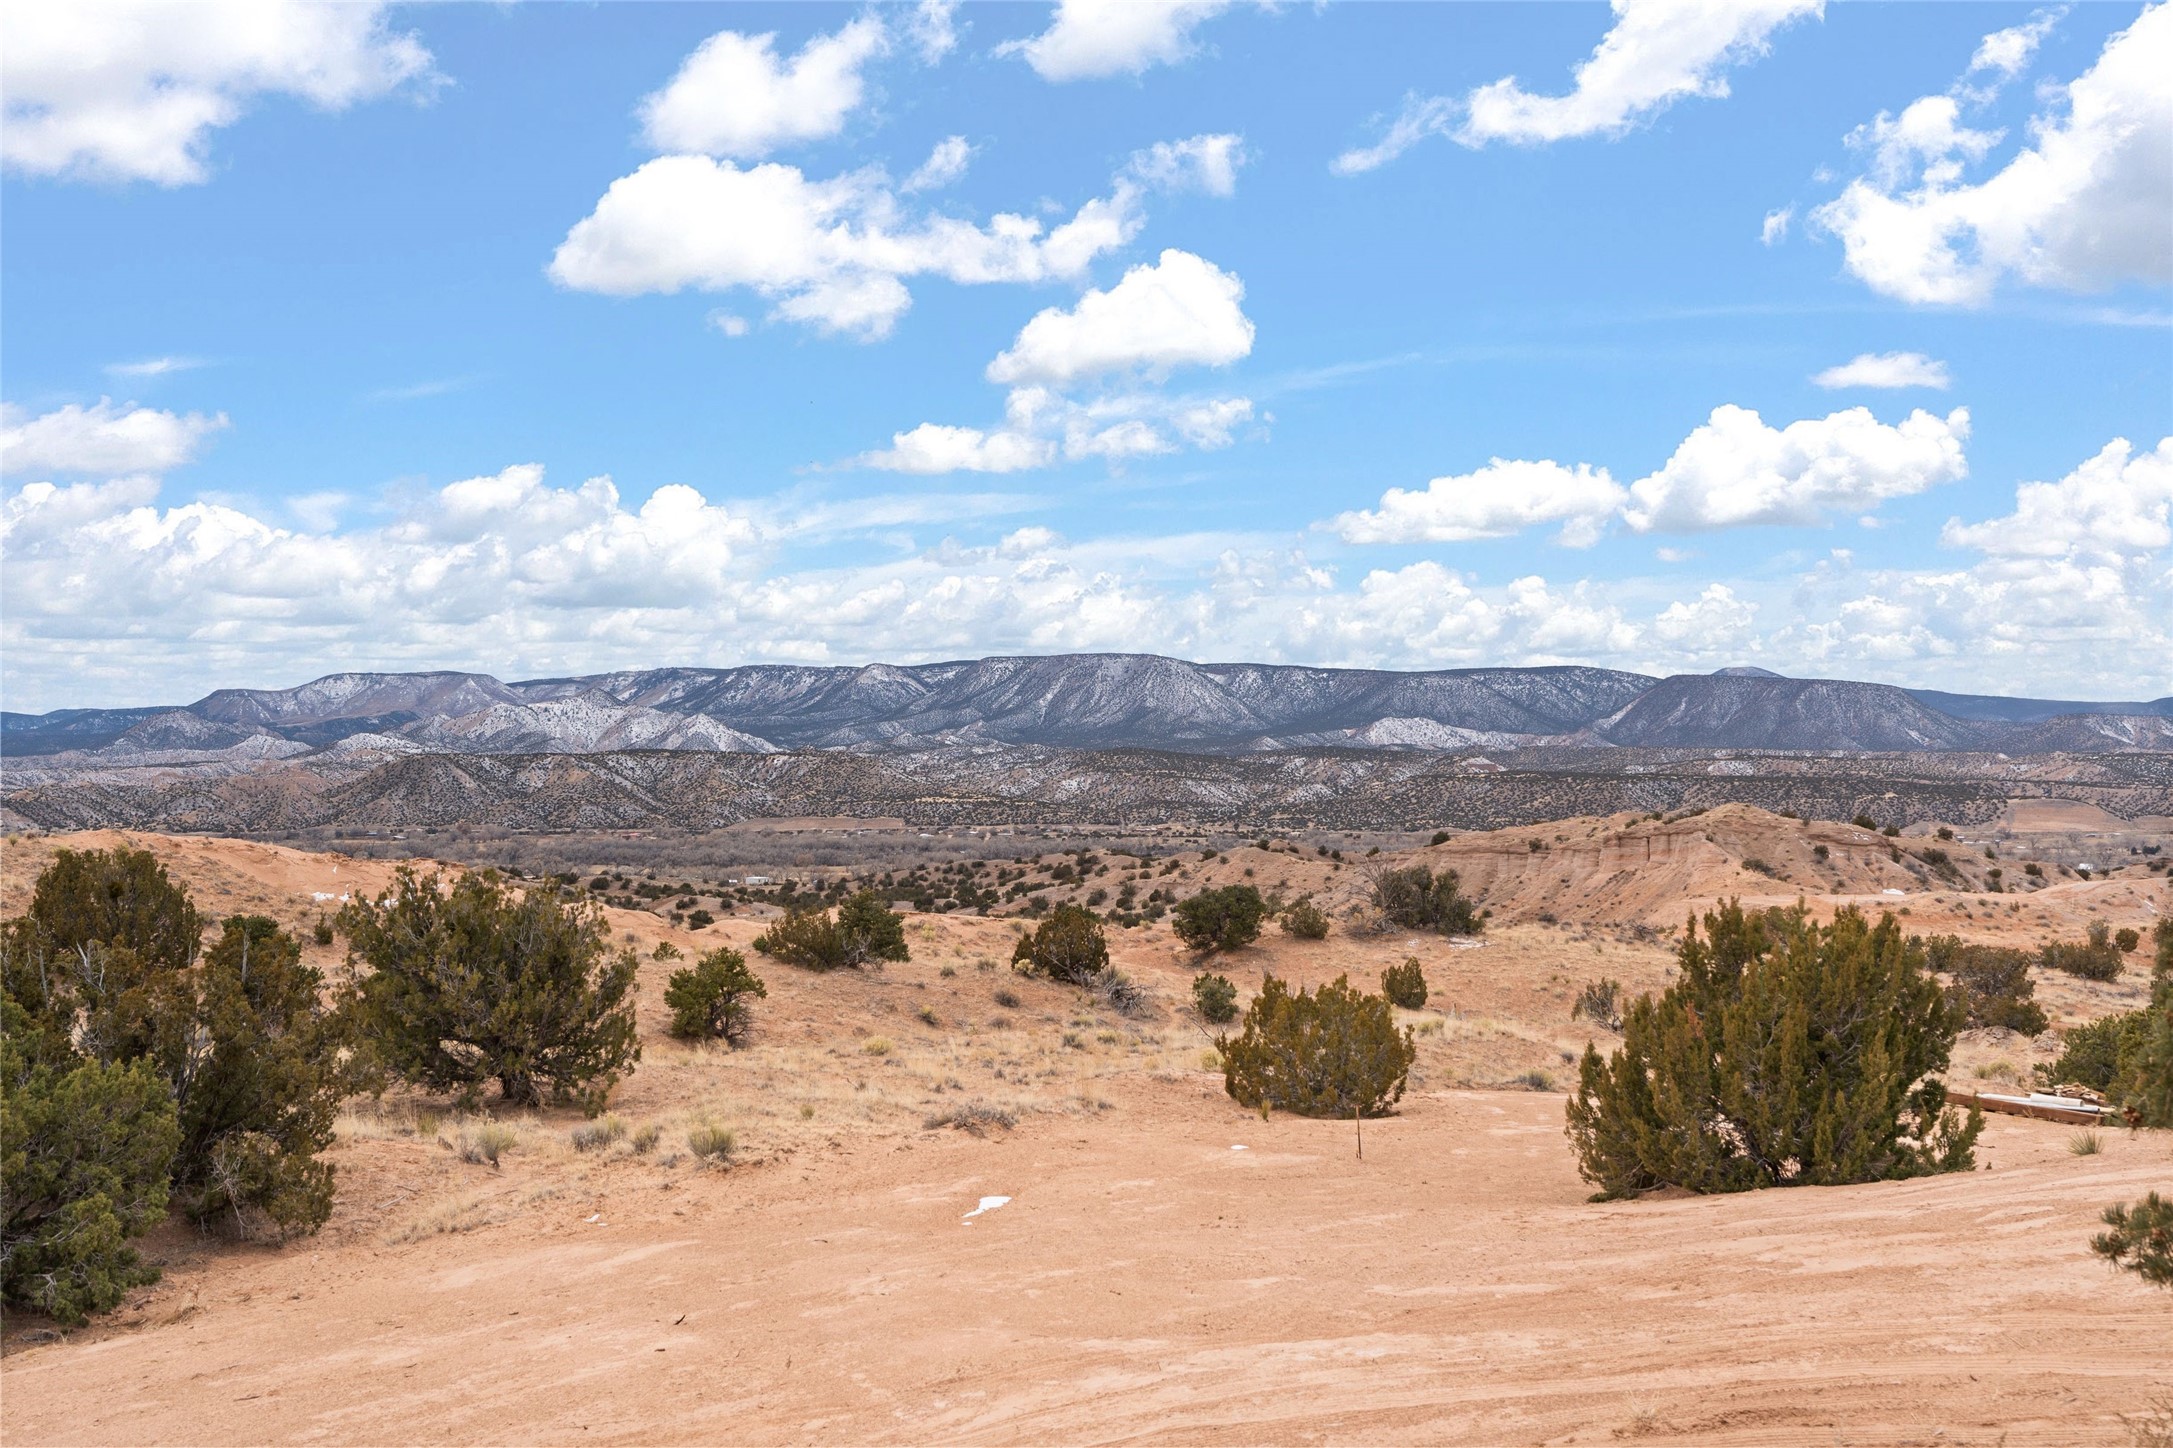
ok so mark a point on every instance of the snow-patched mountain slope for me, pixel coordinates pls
(1081, 701)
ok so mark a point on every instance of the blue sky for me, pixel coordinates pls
(547, 338)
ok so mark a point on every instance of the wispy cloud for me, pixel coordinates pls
(437, 387)
(153, 366)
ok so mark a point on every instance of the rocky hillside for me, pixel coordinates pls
(1081, 701)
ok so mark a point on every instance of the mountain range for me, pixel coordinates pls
(1078, 701)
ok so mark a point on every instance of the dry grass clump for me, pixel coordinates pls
(460, 1214)
(598, 1134)
(645, 1137)
(714, 1144)
(972, 1117)
(2085, 1143)
(876, 1046)
(484, 1142)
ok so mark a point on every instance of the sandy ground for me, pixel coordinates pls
(1144, 1280)
(1148, 1281)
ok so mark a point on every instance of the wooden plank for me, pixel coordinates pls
(2079, 1114)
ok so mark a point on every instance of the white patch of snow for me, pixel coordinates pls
(988, 1204)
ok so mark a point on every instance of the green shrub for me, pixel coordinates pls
(1405, 984)
(473, 983)
(254, 1064)
(107, 966)
(1441, 837)
(1992, 986)
(1215, 999)
(862, 929)
(2128, 939)
(118, 898)
(1305, 921)
(1787, 1053)
(1068, 945)
(2140, 1239)
(2143, 1080)
(1415, 898)
(1227, 918)
(1331, 1052)
(84, 1150)
(2090, 1053)
(321, 932)
(713, 997)
(2095, 958)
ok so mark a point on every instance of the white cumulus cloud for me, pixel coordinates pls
(946, 162)
(1886, 369)
(832, 253)
(1179, 311)
(132, 90)
(1657, 53)
(78, 441)
(1094, 39)
(1502, 498)
(935, 448)
(735, 96)
(1735, 470)
(933, 29)
(2082, 207)
(1199, 163)
(2007, 53)
(2115, 505)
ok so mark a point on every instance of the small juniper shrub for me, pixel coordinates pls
(1405, 984)
(1227, 918)
(1991, 984)
(861, 931)
(1331, 1052)
(713, 999)
(2139, 1239)
(1415, 898)
(1787, 1053)
(1304, 920)
(2094, 958)
(1069, 945)
(1215, 998)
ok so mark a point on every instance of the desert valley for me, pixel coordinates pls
(1086, 721)
(967, 1204)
